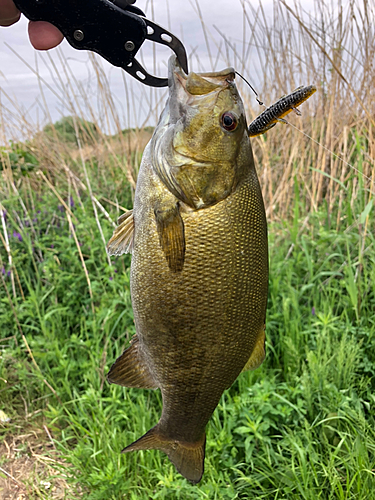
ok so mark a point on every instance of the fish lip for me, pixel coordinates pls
(178, 97)
(177, 76)
(174, 68)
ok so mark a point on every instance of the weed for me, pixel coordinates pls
(299, 427)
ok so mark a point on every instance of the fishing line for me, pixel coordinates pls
(252, 88)
(331, 152)
(306, 135)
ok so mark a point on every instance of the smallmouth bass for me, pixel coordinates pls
(199, 270)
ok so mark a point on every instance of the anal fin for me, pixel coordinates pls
(258, 354)
(170, 227)
(188, 458)
(130, 370)
(123, 236)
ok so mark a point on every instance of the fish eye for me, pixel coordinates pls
(229, 121)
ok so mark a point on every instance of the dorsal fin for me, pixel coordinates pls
(123, 236)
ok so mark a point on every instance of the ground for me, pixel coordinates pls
(28, 467)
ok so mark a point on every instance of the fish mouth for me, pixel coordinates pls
(216, 79)
(175, 70)
(186, 89)
(178, 98)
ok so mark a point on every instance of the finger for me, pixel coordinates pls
(9, 14)
(44, 36)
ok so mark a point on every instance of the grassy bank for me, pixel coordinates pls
(302, 425)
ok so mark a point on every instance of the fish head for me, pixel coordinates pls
(199, 143)
(210, 119)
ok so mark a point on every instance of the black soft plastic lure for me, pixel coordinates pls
(279, 109)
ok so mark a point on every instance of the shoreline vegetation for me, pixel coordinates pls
(301, 426)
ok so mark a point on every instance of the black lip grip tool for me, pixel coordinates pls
(114, 29)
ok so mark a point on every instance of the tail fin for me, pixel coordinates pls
(188, 458)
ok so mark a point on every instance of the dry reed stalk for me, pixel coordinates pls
(292, 48)
(337, 69)
(203, 24)
(9, 475)
(18, 324)
(83, 163)
(69, 215)
(50, 185)
(19, 282)
(108, 105)
(53, 391)
(6, 244)
(82, 261)
(115, 204)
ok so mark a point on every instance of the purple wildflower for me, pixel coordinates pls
(17, 235)
(80, 244)
(3, 270)
(313, 311)
(110, 278)
(52, 246)
(61, 208)
(71, 202)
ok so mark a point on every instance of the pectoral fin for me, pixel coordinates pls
(170, 227)
(123, 236)
(130, 369)
(258, 354)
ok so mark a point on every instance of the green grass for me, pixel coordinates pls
(300, 427)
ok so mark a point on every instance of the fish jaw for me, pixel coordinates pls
(184, 90)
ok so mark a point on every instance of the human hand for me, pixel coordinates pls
(9, 14)
(42, 35)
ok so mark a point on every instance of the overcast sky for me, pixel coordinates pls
(44, 99)
(19, 84)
